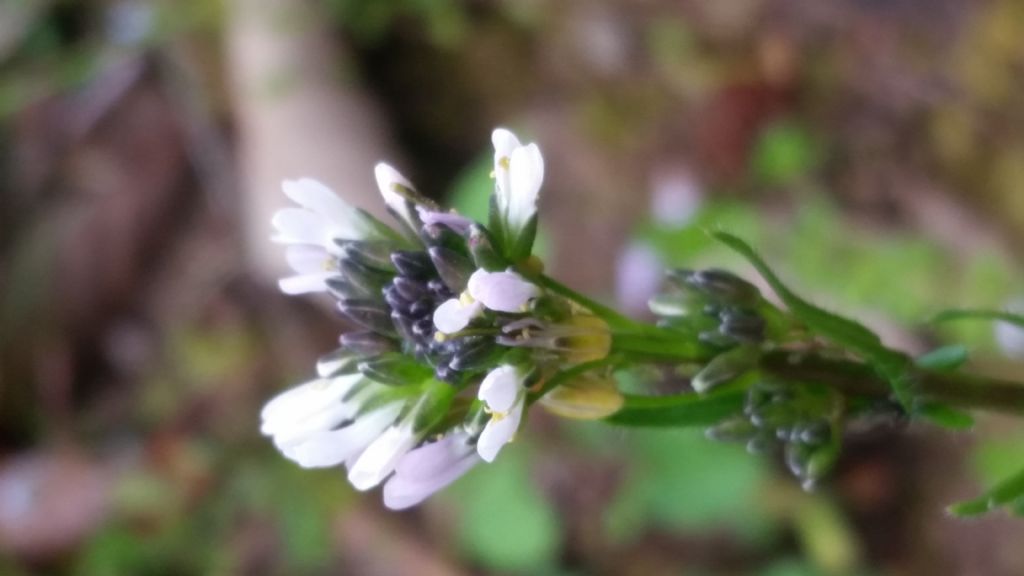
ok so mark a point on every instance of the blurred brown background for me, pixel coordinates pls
(873, 149)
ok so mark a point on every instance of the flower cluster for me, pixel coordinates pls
(454, 331)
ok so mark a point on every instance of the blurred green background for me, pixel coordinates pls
(873, 151)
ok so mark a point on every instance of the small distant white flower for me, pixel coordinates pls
(382, 455)
(504, 394)
(499, 291)
(518, 174)
(315, 424)
(1009, 336)
(428, 469)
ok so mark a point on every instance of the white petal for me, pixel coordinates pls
(499, 432)
(305, 283)
(295, 432)
(401, 492)
(387, 180)
(452, 315)
(526, 174)
(307, 259)
(504, 142)
(305, 399)
(298, 226)
(501, 388)
(380, 457)
(501, 291)
(333, 447)
(317, 197)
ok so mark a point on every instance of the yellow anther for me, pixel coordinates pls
(465, 299)
(440, 336)
(504, 162)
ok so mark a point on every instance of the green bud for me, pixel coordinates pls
(395, 369)
(725, 367)
(734, 430)
(454, 268)
(482, 248)
(371, 314)
(375, 255)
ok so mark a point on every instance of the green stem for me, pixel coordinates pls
(567, 375)
(609, 315)
(856, 378)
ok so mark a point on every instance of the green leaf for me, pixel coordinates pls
(1009, 492)
(893, 365)
(944, 415)
(945, 359)
(680, 410)
(973, 314)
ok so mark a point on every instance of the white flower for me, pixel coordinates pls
(315, 424)
(428, 469)
(313, 266)
(499, 291)
(518, 174)
(382, 455)
(504, 394)
(313, 232)
(322, 218)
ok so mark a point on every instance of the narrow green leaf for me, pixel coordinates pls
(944, 359)
(973, 314)
(944, 415)
(1009, 492)
(680, 410)
(892, 365)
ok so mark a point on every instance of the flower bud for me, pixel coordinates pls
(481, 247)
(415, 265)
(370, 314)
(454, 268)
(734, 430)
(367, 343)
(585, 398)
(395, 369)
(725, 367)
(376, 255)
(367, 280)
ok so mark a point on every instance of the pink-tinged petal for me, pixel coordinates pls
(401, 492)
(526, 174)
(501, 388)
(498, 432)
(433, 458)
(305, 283)
(456, 222)
(452, 315)
(381, 456)
(332, 447)
(501, 291)
(298, 226)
